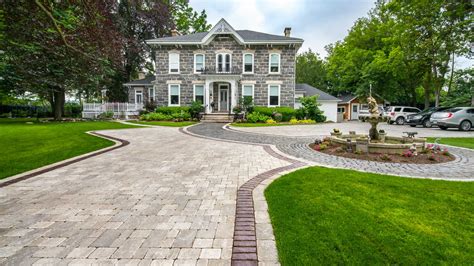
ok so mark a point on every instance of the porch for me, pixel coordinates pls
(220, 94)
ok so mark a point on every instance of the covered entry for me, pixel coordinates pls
(220, 95)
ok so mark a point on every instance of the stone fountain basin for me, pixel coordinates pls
(391, 145)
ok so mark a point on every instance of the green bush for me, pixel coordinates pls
(106, 115)
(286, 112)
(195, 109)
(257, 117)
(72, 109)
(181, 116)
(310, 109)
(155, 117)
(171, 109)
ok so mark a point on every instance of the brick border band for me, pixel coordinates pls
(244, 245)
(46, 169)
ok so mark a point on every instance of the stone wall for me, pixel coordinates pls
(186, 78)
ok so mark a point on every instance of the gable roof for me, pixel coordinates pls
(308, 90)
(223, 27)
(347, 97)
(141, 82)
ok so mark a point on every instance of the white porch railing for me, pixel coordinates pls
(120, 110)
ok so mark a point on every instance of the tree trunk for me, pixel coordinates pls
(452, 75)
(57, 102)
(427, 88)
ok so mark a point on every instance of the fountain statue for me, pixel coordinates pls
(374, 118)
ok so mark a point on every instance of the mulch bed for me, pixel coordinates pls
(422, 158)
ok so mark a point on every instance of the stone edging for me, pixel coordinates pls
(119, 143)
(246, 242)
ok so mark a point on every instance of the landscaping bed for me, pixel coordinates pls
(429, 156)
(323, 216)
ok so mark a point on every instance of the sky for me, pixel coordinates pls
(318, 22)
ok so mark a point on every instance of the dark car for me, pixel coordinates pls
(423, 117)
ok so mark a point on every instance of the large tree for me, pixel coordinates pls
(311, 69)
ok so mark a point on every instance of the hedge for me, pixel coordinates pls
(168, 110)
(286, 112)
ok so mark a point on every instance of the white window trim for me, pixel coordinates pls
(279, 95)
(253, 90)
(138, 92)
(203, 62)
(203, 92)
(169, 95)
(150, 94)
(243, 63)
(223, 62)
(270, 63)
(169, 63)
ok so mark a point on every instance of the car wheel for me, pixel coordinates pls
(465, 125)
(413, 125)
(400, 120)
(427, 123)
(443, 127)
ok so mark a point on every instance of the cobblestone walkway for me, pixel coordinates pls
(460, 169)
(166, 198)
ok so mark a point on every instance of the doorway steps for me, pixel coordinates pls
(217, 118)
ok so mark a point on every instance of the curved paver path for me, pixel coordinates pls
(462, 168)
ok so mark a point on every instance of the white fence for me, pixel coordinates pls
(120, 110)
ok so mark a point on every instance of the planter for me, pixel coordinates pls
(362, 145)
(382, 137)
(336, 134)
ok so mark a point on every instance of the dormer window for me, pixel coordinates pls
(173, 62)
(223, 63)
(274, 63)
(248, 63)
(199, 63)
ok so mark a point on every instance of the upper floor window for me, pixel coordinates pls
(248, 63)
(273, 95)
(174, 62)
(199, 63)
(274, 63)
(223, 63)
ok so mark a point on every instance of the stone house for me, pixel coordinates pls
(220, 67)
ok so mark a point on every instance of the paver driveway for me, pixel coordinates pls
(167, 197)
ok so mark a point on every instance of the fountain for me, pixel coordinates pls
(373, 119)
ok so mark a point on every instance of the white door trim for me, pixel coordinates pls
(355, 115)
(219, 97)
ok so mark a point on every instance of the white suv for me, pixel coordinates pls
(398, 114)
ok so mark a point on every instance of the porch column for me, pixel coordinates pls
(234, 94)
(207, 104)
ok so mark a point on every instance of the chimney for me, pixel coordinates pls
(141, 75)
(287, 31)
(174, 32)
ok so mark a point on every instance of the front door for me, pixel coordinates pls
(223, 98)
(355, 111)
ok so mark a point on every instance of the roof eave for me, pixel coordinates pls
(203, 43)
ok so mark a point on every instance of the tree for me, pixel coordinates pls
(462, 92)
(311, 69)
(310, 109)
(186, 20)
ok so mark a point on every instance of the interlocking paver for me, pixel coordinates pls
(165, 198)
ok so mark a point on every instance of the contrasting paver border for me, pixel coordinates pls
(119, 143)
(247, 238)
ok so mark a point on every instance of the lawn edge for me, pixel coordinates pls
(118, 143)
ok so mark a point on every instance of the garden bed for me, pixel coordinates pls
(427, 157)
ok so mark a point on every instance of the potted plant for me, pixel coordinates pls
(382, 135)
(336, 132)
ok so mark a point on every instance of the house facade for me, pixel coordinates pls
(220, 67)
(350, 106)
(327, 103)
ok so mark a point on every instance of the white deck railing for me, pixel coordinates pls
(120, 110)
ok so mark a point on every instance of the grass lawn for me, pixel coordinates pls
(28, 146)
(165, 123)
(326, 216)
(459, 142)
(265, 125)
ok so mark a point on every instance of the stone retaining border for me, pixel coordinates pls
(119, 143)
(246, 242)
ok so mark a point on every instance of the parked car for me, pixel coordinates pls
(457, 117)
(398, 114)
(365, 112)
(423, 117)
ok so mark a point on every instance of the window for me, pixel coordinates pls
(274, 95)
(341, 109)
(223, 63)
(174, 62)
(199, 63)
(138, 96)
(173, 93)
(354, 108)
(151, 94)
(247, 92)
(248, 63)
(274, 63)
(411, 110)
(199, 93)
(470, 111)
(398, 109)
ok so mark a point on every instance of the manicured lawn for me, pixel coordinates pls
(326, 216)
(28, 146)
(164, 123)
(459, 142)
(264, 125)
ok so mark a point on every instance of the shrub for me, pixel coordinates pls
(385, 157)
(257, 117)
(270, 121)
(171, 109)
(278, 117)
(106, 115)
(293, 121)
(445, 152)
(156, 117)
(150, 106)
(72, 110)
(286, 112)
(432, 157)
(306, 121)
(407, 153)
(323, 147)
(310, 109)
(196, 109)
(6, 115)
(181, 116)
(237, 109)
